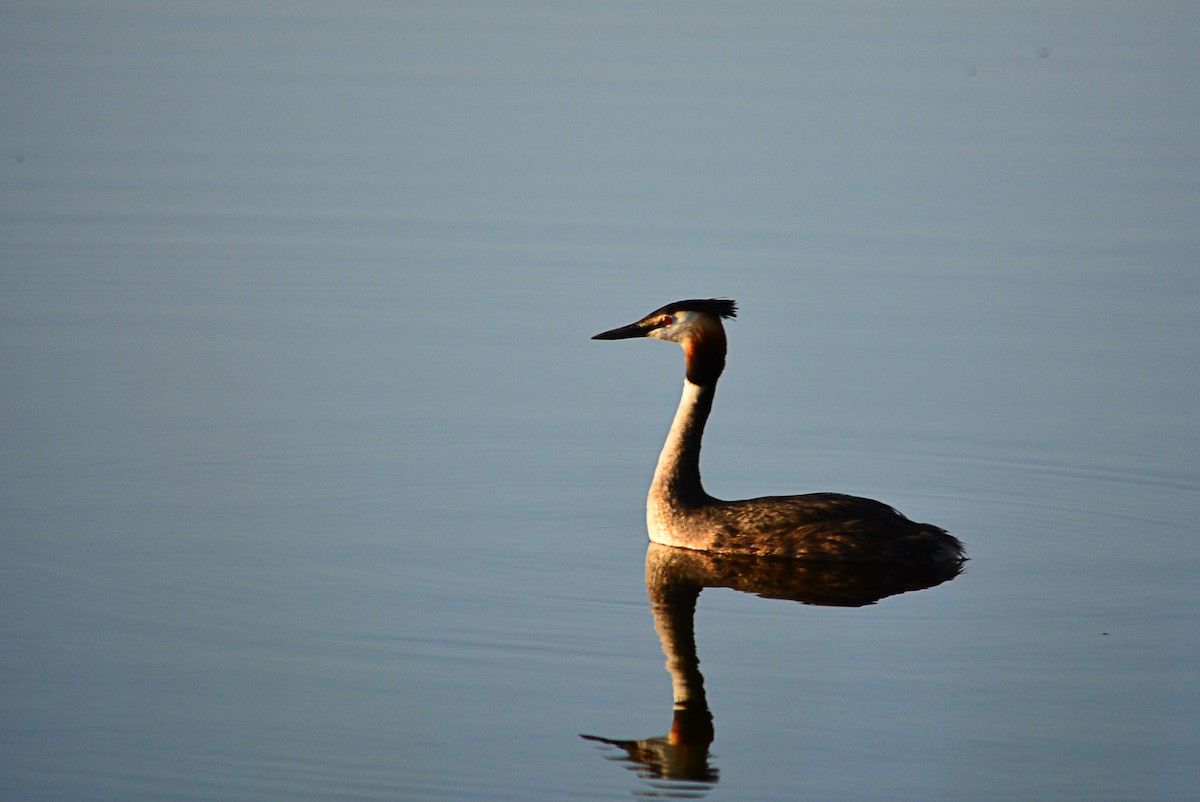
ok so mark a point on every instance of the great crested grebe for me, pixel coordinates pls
(817, 526)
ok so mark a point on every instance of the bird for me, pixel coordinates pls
(811, 526)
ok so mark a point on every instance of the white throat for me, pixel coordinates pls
(677, 476)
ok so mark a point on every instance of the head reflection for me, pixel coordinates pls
(678, 764)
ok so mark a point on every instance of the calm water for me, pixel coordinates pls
(314, 487)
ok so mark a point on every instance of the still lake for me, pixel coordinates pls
(314, 487)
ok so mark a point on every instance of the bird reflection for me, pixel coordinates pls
(678, 764)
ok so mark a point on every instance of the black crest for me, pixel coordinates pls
(722, 307)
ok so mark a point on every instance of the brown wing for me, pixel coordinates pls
(829, 526)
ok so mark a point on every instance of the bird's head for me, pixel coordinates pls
(695, 325)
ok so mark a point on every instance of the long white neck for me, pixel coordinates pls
(677, 476)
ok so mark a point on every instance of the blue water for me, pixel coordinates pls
(313, 486)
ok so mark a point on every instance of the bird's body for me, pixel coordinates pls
(819, 526)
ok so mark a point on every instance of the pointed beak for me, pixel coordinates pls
(623, 333)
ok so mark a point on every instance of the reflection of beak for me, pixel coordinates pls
(623, 333)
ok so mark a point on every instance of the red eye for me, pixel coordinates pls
(666, 321)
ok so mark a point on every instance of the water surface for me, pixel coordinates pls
(313, 485)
